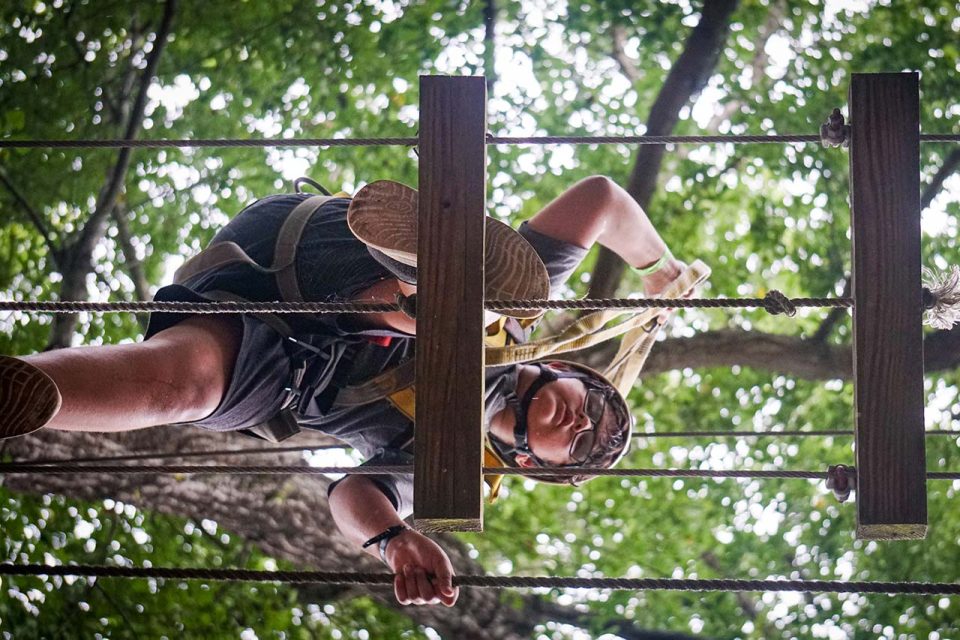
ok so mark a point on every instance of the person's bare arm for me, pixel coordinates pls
(422, 570)
(596, 209)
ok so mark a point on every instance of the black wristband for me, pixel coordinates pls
(384, 537)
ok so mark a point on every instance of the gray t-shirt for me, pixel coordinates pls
(383, 435)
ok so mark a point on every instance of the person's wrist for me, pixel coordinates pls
(656, 266)
(670, 271)
(383, 539)
(395, 545)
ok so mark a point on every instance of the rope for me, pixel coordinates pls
(735, 139)
(223, 306)
(524, 582)
(409, 142)
(773, 434)
(208, 142)
(159, 455)
(774, 302)
(19, 468)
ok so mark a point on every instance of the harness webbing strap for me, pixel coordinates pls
(382, 386)
(216, 255)
(591, 329)
(285, 251)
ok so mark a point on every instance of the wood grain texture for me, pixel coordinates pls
(888, 340)
(448, 448)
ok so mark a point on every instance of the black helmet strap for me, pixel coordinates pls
(520, 434)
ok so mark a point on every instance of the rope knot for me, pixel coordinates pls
(407, 304)
(841, 479)
(834, 133)
(775, 302)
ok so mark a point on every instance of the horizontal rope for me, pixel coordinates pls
(225, 306)
(160, 455)
(768, 303)
(654, 140)
(17, 468)
(774, 434)
(299, 449)
(522, 582)
(207, 142)
(7, 143)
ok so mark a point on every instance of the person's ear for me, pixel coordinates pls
(523, 461)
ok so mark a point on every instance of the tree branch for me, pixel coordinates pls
(32, 214)
(757, 64)
(627, 66)
(489, 44)
(134, 265)
(826, 327)
(936, 183)
(78, 255)
(686, 78)
(787, 355)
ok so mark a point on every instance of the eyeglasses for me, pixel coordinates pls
(594, 406)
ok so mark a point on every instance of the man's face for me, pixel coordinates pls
(555, 418)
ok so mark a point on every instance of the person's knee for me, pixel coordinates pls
(197, 356)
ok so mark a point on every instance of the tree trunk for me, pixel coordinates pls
(788, 355)
(286, 517)
(687, 77)
(77, 255)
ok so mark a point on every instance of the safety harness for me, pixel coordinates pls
(505, 340)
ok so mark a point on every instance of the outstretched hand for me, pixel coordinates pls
(657, 281)
(422, 571)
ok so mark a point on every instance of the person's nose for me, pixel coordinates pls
(582, 422)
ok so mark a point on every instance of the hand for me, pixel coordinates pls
(423, 573)
(656, 282)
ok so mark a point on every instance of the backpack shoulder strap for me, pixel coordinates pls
(285, 250)
(284, 265)
(214, 256)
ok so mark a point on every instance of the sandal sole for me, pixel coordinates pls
(383, 215)
(29, 398)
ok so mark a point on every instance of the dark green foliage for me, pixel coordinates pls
(763, 216)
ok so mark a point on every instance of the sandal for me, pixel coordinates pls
(29, 398)
(383, 215)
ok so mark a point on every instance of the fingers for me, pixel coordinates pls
(412, 586)
(400, 588)
(444, 584)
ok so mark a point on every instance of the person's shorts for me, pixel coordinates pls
(331, 265)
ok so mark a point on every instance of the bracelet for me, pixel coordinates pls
(656, 266)
(384, 538)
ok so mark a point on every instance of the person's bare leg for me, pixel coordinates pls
(178, 375)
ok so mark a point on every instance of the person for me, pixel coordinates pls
(232, 372)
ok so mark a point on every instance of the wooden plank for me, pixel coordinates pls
(888, 342)
(448, 449)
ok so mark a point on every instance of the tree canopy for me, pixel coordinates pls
(108, 225)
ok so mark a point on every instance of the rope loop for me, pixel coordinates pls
(407, 304)
(775, 303)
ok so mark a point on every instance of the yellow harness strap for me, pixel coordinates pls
(597, 327)
(405, 401)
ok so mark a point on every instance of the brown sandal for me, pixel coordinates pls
(29, 398)
(383, 215)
